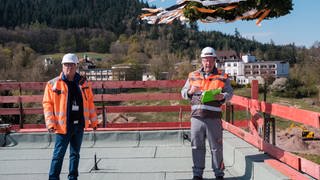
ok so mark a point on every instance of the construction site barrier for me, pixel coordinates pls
(262, 114)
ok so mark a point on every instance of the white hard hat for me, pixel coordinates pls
(70, 58)
(208, 52)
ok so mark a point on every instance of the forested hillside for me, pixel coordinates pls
(81, 21)
(32, 28)
(110, 15)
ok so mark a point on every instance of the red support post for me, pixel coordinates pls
(254, 89)
(256, 122)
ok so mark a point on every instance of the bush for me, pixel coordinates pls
(304, 91)
(292, 88)
(279, 85)
(235, 85)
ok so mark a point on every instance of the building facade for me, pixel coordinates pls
(246, 69)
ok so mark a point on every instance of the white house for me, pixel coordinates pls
(248, 68)
(148, 77)
(98, 74)
(47, 63)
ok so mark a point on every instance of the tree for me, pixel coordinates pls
(156, 66)
(237, 33)
(98, 44)
(67, 42)
(154, 32)
(182, 71)
(316, 45)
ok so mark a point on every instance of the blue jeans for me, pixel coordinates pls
(74, 137)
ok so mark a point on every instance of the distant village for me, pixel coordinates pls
(241, 69)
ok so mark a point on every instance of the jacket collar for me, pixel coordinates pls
(76, 78)
(214, 71)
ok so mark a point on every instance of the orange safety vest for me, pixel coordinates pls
(213, 81)
(55, 101)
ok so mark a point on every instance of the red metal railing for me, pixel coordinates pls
(253, 105)
(257, 107)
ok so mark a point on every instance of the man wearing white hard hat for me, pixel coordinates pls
(68, 109)
(207, 89)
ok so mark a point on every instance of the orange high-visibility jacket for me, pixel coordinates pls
(55, 102)
(213, 81)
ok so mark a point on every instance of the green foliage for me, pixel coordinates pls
(67, 42)
(248, 85)
(234, 84)
(19, 63)
(98, 44)
(294, 88)
(110, 26)
(192, 14)
(183, 70)
(110, 15)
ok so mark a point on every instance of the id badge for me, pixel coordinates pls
(75, 107)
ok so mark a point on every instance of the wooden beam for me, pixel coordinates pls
(31, 98)
(98, 84)
(33, 86)
(311, 168)
(143, 84)
(9, 111)
(254, 89)
(110, 109)
(286, 170)
(137, 96)
(296, 162)
(9, 86)
(9, 99)
(117, 109)
(99, 97)
(291, 113)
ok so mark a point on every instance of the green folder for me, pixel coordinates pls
(208, 96)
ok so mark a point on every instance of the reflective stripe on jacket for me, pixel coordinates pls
(55, 101)
(215, 80)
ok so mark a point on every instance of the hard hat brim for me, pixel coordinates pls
(203, 56)
(68, 62)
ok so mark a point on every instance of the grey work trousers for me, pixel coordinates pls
(212, 130)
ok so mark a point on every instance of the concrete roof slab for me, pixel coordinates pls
(133, 155)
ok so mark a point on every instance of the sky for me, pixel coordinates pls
(301, 26)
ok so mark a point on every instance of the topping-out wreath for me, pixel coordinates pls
(218, 11)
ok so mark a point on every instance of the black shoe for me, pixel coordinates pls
(197, 178)
(219, 178)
